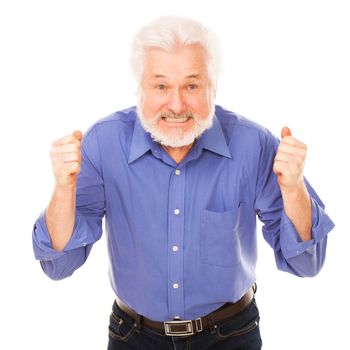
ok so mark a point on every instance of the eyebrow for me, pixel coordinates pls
(191, 76)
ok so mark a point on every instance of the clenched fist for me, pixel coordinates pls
(290, 161)
(66, 159)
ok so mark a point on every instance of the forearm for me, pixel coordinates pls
(297, 205)
(60, 216)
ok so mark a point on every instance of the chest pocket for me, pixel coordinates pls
(219, 237)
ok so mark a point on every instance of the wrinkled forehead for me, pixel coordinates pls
(180, 61)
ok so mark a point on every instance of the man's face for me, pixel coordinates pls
(176, 102)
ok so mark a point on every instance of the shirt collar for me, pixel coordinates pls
(141, 142)
(212, 139)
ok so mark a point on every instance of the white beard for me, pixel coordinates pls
(176, 137)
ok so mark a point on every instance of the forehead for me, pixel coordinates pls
(180, 61)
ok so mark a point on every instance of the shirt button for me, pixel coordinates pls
(175, 285)
(175, 248)
(177, 172)
(177, 211)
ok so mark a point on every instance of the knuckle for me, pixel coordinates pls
(58, 158)
(54, 162)
(53, 149)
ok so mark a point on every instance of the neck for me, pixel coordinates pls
(178, 153)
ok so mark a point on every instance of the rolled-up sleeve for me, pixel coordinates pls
(292, 254)
(90, 209)
(307, 257)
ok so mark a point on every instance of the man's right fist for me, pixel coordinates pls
(66, 159)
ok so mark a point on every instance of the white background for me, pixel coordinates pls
(64, 64)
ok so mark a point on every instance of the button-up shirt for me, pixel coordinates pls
(182, 237)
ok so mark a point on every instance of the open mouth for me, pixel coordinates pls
(176, 119)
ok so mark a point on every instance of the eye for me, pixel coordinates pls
(161, 87)
(192, 87)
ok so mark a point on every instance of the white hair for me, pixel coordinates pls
(166, 32)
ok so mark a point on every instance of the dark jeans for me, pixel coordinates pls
(241, 332)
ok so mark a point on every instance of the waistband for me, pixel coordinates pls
(184, 328)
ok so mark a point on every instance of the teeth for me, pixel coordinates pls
(176, 120)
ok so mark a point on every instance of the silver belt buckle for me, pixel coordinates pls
(184, 328)
(178, 328)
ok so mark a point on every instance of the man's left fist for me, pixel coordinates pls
(289, 161)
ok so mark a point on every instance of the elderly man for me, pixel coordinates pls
(180, 182)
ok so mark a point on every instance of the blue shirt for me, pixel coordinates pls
(182, 237)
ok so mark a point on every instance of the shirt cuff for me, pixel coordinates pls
(42, 244)
(292, 244)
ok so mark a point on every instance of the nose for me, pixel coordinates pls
(176, 103)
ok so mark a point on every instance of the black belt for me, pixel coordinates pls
(184, 328)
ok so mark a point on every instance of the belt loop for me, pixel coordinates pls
(212, 326)
(137, 323)
(199, 324)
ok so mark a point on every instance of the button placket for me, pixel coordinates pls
(175, 242)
